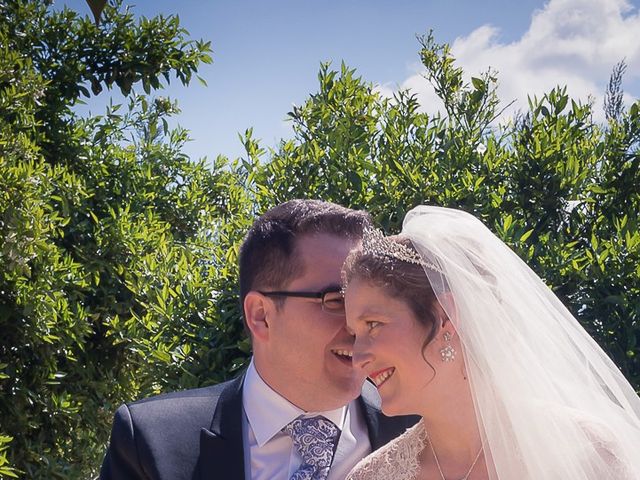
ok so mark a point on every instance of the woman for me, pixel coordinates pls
(450, 324)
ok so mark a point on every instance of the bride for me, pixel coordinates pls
(450, 324)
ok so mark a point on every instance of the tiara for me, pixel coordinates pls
(374, 243)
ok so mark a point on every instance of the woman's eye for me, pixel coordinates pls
(372, 325)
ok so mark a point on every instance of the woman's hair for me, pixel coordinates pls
(400, 279)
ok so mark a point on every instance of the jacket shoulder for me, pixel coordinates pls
(162, 433)
(173, 406)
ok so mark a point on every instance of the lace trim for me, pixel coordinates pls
(397, 460)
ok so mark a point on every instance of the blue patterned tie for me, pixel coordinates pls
(314, 439)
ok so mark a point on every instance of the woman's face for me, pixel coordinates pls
(389, 347)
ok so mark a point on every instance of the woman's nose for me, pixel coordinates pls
(361, 354)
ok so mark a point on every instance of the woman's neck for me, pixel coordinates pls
(452, 427)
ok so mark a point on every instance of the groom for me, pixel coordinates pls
(300, 389)
(300, 378)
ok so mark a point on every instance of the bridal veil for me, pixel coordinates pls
(549, 402)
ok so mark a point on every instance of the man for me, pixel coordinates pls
(300, 386)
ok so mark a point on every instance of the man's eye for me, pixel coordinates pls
(373, 324)
(334, 302)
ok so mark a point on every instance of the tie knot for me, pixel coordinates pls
(314, 439)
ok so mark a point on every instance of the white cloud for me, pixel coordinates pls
(569, 42)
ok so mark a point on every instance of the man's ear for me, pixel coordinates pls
(256, 312)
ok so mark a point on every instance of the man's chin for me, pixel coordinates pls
(336, 396)
(350, 389)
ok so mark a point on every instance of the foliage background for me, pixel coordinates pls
(118, 253)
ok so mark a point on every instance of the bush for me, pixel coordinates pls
(117, 250)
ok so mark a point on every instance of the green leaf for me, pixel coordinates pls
(202, 80)
(526, 235)
(506, 223)
(562, 103)
(478, 83)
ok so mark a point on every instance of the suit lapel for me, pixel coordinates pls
(370, 401)
(221, 446)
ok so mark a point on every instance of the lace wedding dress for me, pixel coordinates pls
(397, 460)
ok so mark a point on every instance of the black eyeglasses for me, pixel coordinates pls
(332, 299)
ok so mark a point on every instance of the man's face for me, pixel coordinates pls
(307, 356)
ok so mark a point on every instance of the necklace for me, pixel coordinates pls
(435, 457)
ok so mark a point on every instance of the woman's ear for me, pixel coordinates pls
(446, 310)
(256, 313)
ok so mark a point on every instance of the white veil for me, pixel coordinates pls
(550, 403)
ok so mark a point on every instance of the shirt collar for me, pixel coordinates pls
(268, 412)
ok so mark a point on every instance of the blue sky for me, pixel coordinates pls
(266, 54)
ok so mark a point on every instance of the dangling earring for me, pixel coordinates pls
(448, 352)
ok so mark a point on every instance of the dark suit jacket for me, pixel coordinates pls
(197, 434)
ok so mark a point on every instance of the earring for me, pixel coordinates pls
(447, 352)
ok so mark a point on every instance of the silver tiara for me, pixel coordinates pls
(374, 243)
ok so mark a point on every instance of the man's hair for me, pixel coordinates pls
(268, 257)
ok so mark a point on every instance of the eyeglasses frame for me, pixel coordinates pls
(301, 294)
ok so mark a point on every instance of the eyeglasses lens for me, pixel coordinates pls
(333, 302)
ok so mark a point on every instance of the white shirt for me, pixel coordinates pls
(269, 453)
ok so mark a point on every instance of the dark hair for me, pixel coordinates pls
(402, 280)
(268, 256)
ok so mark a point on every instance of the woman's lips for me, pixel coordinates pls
(381, 376)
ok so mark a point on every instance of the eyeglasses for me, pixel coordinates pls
(332, 299)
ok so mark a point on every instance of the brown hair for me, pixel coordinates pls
(268, 257)
(400, 279)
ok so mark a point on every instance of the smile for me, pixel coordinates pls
(381, 376)
(344, 355)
